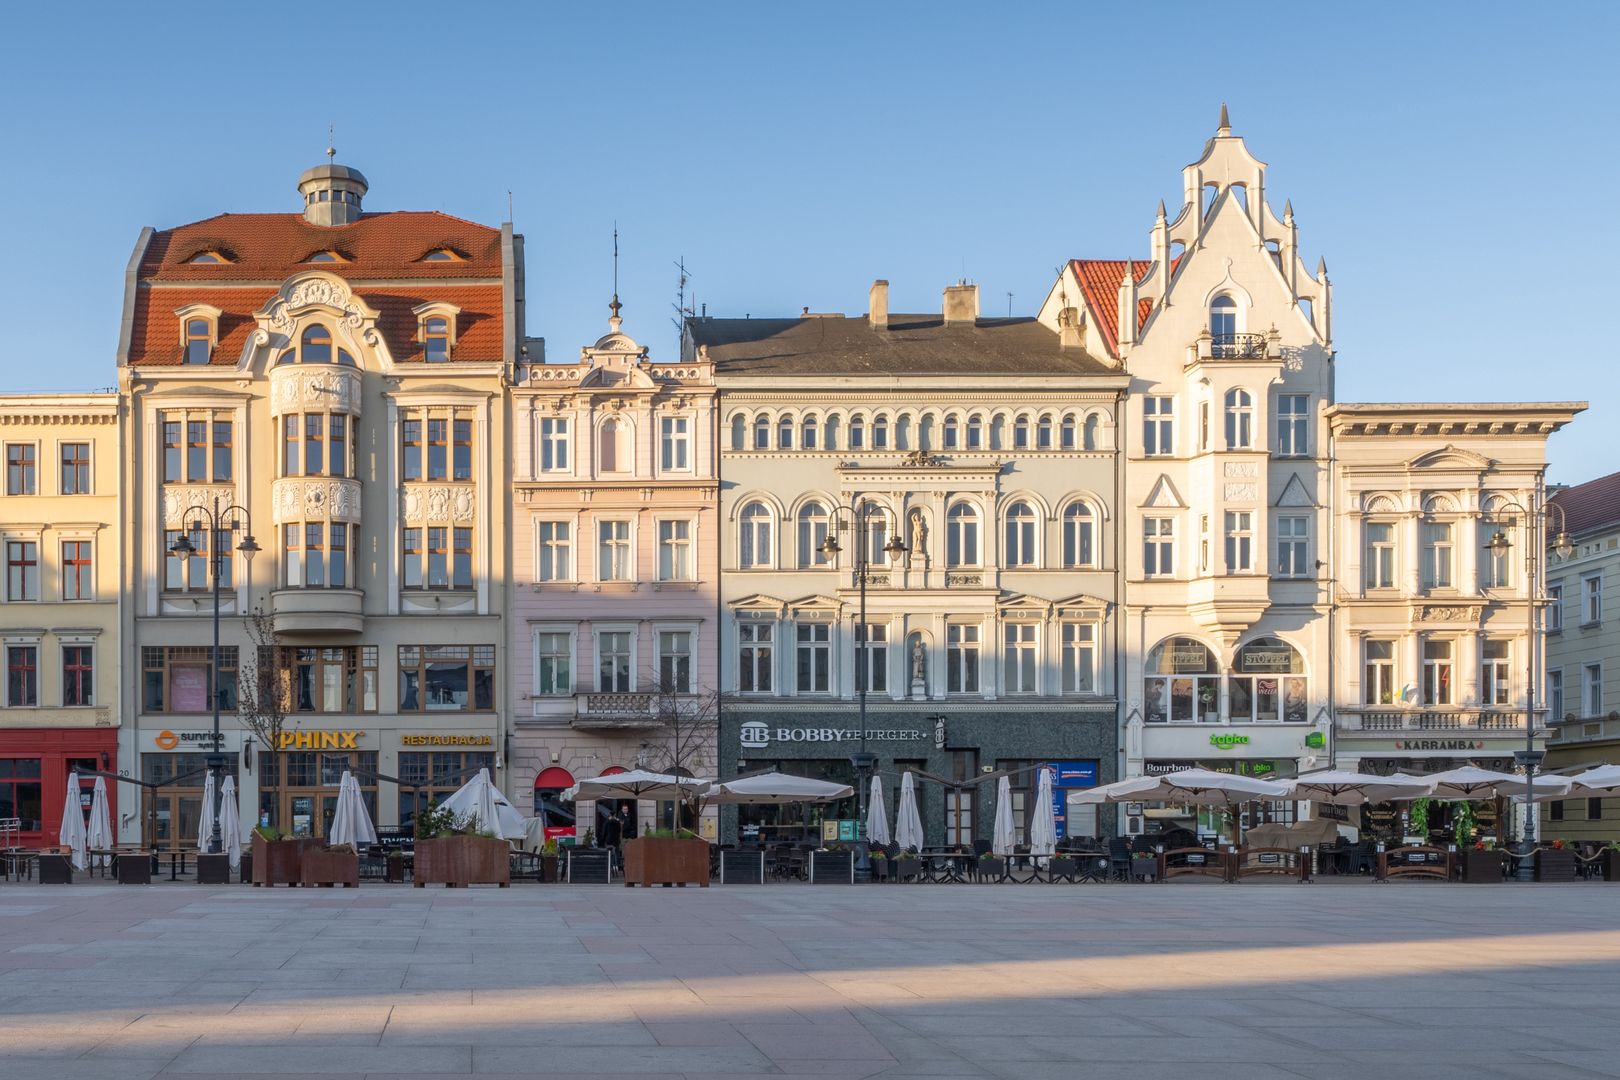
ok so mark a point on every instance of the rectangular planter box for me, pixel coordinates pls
(880, 869)
(1554, 865)
(459, 861)
(55, 869)
(742, 866)
(276, 862)
(651, 860)
(133, 867)
(1059, 867)
(589, 866)
(907, 869)
(1481, 867)
(550, 868)
(214, 869)
(992, 869)
(244, 870)
(328, 868)
(832, 867)
(1611, 865)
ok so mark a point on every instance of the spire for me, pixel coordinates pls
(1321, 268)
(614, 322)
(1161, 209)
(1288, 211)
(1225, 126)
(331, 144)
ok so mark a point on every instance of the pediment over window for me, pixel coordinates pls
(1164, 496)
(759, 604)
(1450, 457)
(1080, 605)
(1295, 495)
(1015, 605)
(816, 603)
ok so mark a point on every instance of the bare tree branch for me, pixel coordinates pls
(264, 694)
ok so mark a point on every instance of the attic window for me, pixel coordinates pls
(444, 254)
(436, 330)
(327, 256)
(207, 258)
(199, 333)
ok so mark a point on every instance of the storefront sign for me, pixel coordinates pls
(1278, 658)
(1439, 744)
(447, 740)
(1261, 767)
(1316, 740)
(1189, 658)
(195, 742)
(1225, 741)
(319, 740)
(755, 735)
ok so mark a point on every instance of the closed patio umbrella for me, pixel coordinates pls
(230, 821)
(908, 830)
(71, 835)
(205, 820)
(1341, 787)
(1002, 837)
(351, 824)
(99, 835)
(481, 803)
(877, 818)
(1043, 824)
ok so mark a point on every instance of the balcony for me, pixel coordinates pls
(1402, 720)
(1209, 346)
(617, 712)
(317, 611)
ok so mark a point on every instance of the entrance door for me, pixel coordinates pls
(959, 818)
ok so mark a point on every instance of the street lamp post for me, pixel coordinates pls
(860, 524)
(214, 520)
(1529, 758)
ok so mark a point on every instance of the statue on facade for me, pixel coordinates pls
(919, 668)
(918, 549)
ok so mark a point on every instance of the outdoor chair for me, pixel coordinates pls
(1119, 858)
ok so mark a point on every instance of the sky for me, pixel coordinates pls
(1456, 164)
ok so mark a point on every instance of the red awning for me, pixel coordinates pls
(554, 778)
(611, 770)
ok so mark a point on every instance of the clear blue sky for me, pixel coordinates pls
(1456, 164)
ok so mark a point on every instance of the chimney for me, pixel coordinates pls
(877, 305)
(961, 304)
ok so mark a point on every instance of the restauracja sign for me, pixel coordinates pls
(756, 735)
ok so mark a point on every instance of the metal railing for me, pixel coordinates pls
(1421, 720)
(1237, 346)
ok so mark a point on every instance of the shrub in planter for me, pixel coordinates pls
(549, 860)
(1481, 865)
(992, 867)
(1556, 863)
(394, 866)
(907, 866)
(1063, 866)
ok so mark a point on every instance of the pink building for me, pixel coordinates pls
(614, 573)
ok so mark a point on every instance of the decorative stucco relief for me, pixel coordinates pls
(313, 499)
(178, 499)
(438, 502)
(1242, 493)
(297, 387)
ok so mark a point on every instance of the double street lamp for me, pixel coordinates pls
(214, 523)
(860, 521)
(1529, 758)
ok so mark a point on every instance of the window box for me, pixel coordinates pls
(1555, 864)
(657, 860)
(458, 861)
(1481, 867)
(327, 867)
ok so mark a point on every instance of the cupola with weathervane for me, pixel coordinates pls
(332, 192)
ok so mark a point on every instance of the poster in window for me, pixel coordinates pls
(188, 688)
(1294, 701)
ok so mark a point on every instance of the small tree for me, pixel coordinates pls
(264, 695)
(690, 736)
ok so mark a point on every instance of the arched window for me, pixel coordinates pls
(808, 438)
(857, 432)
(436, 340)
(1021, 432)
(754, 536)
(1267, 683)
(880, 432)
(829, 432)
(1092, 429)
(813, 524)
(1070, 430)
(1181, 684)
(975, 432)
(784, 433)
(998, 432)
(902, 432)
(1239, 420)
(1079, 536)
(315, 347)
(925, 433)
(1021, 527)
(739, 432)
(1043, 433)
(949, 434)
(876, 524)
(762, 432)
(199, 341)
(608, 456)
(962, 536)
(1223, 320)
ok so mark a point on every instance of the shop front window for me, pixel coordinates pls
(172, 814)
(1182, 684)
(1267, 684)
(298, 790)
(426, 778)
(21, 796)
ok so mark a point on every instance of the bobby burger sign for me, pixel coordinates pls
(756, 735)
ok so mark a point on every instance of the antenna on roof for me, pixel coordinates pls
(1009, 305)
(614, 322)
(331, 143)
(509, 206)
(683, 310)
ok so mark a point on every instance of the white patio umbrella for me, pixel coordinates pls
(486, 809)
(1598, 781)
(230, 821)
(71, 834)
(351, 824)
(1468, 782)
(1341, 787)
(205, 820)
(99, 835)
(637, 784)
(774, 787)
(908, 830)
(1043, 825)
(1547, 787)
(1002, 837)
(1136, 789)
(877, 817)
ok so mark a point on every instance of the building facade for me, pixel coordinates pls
(1583, 653)
(613, 628)
(337, 377)
(963, 469)
(59, 620)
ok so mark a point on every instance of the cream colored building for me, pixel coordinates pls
(59, 630)
(340, 376)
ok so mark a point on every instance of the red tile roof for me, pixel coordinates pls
(1589, 506)
(1099, 281)
(270, 246)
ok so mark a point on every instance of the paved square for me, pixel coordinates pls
(1185, 980)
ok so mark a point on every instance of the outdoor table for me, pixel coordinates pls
(103, 856)
(948, 865)
(19, 863)
(1093, 865)
(525, 864)
(177, 863)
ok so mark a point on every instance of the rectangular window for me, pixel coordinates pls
(1437, 553)
(410, 447)
(410, 557)
(197, 447)
(22, 570)
(438, 448)
(314, 443)
(1594, 809)
(1079, 658)
(329, 679)
(314, 553)
(75, 468)
(1555, 695)
(1203, 425)
(613, 659)
(22, 675)
(196, 450)
(1380, 555)
(21, 468)
(1555, 607)
(21, 795)
(173, 468)
(615, 559)
(291, 432)
(814, 655)
(1293, 425)
(1591, 599)
(876, 638)
(223, 451)
(1592, 690)
(675, 551)
(1203, 543)
(961, 659)
(1159, 547)
(1158, 426)
(1496, 567)
(754, 657)
(553, 444)
(461, 452)
(461, 558)
(174, 678)
(78, 675)
(675, 443)
(675, 661)
(554, 551)
(1495, 679)
(1239, 541)
(446, 678)
(337, 444)
(1019, 658)
(1378, 673)
(438, 558)
(1293, 546)
(555, 663)
(1437, 673)
(78, 577)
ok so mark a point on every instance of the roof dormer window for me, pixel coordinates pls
(327, 256)
(199, 333)
(436, 330)
(444, 254)
(208, 258)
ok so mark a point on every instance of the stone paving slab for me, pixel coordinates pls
(1257, 983)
